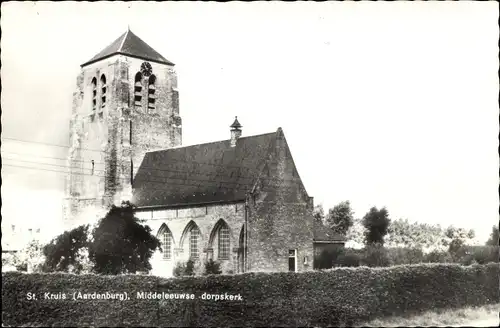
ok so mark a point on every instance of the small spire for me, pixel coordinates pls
(235, 131)
(128, 27)
(236, 124)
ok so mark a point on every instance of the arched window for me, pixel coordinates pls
(94, 94)
(221, 235)
(165, 236)
(138, 89)
(103, 90)
(151, 92)
(223, 243)
(194, 238)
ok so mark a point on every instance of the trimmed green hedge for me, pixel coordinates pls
(340, 296)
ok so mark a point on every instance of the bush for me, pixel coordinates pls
(184, 269)
(438, 257)
(341, 296)
(212, 267)
(349, 258)
(189, 268)
(179, 269)
(403, 255)
(328, 257)
(375, 256)
(480, 254)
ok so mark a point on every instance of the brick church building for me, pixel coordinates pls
(239, 201)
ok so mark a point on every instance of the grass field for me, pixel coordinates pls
(484, 316)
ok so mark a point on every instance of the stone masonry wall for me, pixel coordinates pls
(206, 218)
(101, 133)
(280, 216)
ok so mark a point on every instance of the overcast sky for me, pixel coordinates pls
(383, 104)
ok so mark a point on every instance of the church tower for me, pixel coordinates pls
(126, 103)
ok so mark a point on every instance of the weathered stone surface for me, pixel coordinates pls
(117, 121)
(105, 154)
(206, 219)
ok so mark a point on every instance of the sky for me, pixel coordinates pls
(389, 104)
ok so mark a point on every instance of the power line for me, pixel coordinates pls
(152, 181)
(141, 166)
(103, 151)
(42, 143)
(250, 185)
(251, 170)
(104, 172)
(41, 156)
(255, 171)
(50, 164)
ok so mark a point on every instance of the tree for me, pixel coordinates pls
(402, 233)
(30, 258)
(454, 236)
(67, 251)
(355, 235)
(121, 244)
(340, 218)
(319, 213)
(376, 223)
(494, 238)
(456, 239)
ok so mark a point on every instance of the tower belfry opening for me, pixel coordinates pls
(126, 91)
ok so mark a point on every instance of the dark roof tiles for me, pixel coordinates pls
(129, 44)
(204, 173)
(325, 234)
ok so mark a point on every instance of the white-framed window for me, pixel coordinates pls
(166, 240)
(167, 244)
(194, 238)
(224, 243)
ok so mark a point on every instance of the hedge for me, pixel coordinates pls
(339, 296)
(375, 256)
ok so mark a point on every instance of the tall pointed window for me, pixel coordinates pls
(223, 242)
(220, 240)
(138, 89)
(103, 90)
(151, 92)
(94, 94)
(165, 236)
(194, 239)
(191, 240)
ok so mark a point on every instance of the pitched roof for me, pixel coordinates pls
(211, 172)
(131, 45)
(325, 234)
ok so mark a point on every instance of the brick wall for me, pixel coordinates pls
(206, 218)
(280, 216)
(103, 134)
